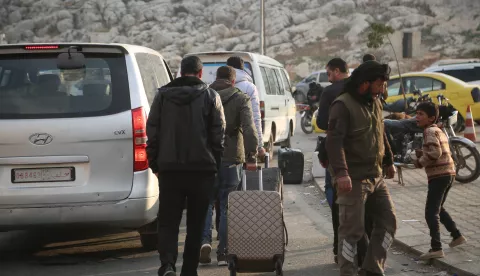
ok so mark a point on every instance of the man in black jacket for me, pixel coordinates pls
(185, 132)
(337, 71)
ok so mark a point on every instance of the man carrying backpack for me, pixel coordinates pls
(241, 143)
(185, 130)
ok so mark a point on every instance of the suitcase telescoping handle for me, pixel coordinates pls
(260, 175)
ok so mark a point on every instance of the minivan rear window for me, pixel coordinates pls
(32, 87)
(210, 71)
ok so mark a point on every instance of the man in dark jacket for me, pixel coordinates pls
(337, 71)
(185, 132)
(241, 143)
(357, 148)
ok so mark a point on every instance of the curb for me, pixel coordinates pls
(405, 247)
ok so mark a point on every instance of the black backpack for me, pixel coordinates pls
(321, 149)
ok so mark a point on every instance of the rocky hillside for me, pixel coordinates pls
(301, 33)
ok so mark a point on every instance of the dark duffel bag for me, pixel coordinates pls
(291, 164)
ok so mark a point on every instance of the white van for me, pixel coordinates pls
(277, 105)
(73, 139)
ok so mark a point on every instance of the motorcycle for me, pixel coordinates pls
(307, 110)
(306, 113)
(398, 107)
(410, 138)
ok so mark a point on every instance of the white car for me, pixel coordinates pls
(277, 105)
(73, 140)
(467, 71)
(320, 77)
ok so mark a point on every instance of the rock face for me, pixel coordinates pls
(316, 29)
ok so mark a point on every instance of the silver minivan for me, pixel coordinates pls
(73, 137)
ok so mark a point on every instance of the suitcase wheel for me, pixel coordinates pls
(279, 267)
(232, 268)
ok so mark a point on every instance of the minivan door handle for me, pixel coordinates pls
(43, 160)
(274, 108)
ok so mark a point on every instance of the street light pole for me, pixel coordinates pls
(262, 27)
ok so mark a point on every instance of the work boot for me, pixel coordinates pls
(205, 253)
(166, 270)
(432, 254)
(458, 241)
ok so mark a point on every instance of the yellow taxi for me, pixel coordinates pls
(459, 93)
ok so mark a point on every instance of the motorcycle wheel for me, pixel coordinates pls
(306, 124)
(464, 154)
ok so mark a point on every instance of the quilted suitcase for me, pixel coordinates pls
(256, 232)
(291, 164)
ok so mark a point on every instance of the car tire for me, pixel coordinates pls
(288, 142)
(270, 146)
(149, 241)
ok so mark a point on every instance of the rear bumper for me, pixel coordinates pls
(128, 213)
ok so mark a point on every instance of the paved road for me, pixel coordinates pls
(98, 253)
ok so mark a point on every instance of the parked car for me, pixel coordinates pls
(460, 94)
(278, 109)
(75, 149)
(302, 87)
(468, 72)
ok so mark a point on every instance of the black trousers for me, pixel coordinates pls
(362, 245)
(196, 189)
(435, 213)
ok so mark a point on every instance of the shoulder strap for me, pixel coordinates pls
(234, 131)
(231, 98)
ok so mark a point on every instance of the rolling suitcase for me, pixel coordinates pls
(256, 232)
(291, 164)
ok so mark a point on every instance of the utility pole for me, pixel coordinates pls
(262, 27)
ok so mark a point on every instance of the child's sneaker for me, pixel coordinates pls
(432, 255)
(222, 260)
(458, 241)
(205, 253)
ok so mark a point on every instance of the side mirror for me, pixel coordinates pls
(71, 60)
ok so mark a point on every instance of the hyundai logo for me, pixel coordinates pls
(40, 139)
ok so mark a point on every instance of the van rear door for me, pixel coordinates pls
(66, 134)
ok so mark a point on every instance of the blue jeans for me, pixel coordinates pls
(329, 188)
(228, 179)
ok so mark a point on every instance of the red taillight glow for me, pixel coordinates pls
(41, 47)
(139, 139)
(262, 109)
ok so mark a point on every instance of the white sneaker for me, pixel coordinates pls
(222, 260)
(205, 254)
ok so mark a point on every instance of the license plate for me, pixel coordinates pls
(43, 175)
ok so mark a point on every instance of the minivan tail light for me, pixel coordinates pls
(139, 125)
(262, 109)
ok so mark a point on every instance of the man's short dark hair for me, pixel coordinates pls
(338, 63)
(431, 109)
(191, 65)
(236, 62)
(226, 73)
(369, 57)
